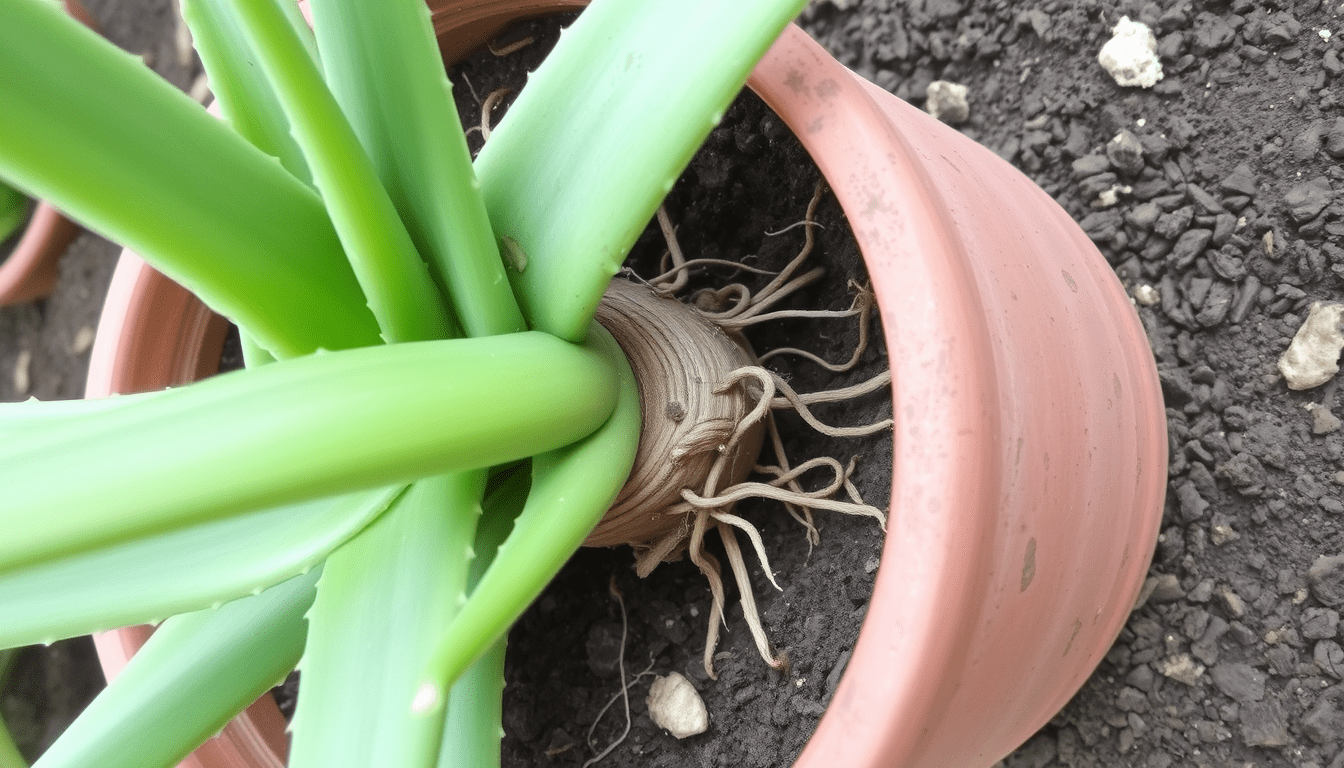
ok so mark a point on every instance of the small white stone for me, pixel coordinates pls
(1109, 197)
(1182, 669)
(1130, 56)
(21, 366)
(1312, 358)
(1146, 295)
(675, 706)
(1222, 533)
(83, 340)
(947, 101)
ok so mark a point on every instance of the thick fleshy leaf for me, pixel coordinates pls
(147, 167)
(383, 599)
(577, 168)
(145, 580)
(390, 82)
(196, 672)
(299, 429)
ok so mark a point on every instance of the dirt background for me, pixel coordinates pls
(1234, 658)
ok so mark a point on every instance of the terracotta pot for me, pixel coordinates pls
(1030, 442)
(30, 271)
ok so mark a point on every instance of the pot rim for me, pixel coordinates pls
(30, 271)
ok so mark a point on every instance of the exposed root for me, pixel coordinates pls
(679, 275)
(705, 497)
(753, 618)
(864, 301)
(792, 226)
(517, 45)
(624, 693)
(487, 108)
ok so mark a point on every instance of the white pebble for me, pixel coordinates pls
(675, 706)
(947, 102)
(1312, 358)
(1146, 295)
(21, 366)
(1131, 55)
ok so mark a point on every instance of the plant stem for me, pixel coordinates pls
(395, 280)
(162, 177)
(390, 82)
(309, 427)
(383, 599)
(195, 673)
(557, 174)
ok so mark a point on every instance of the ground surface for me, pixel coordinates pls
(1235, 658)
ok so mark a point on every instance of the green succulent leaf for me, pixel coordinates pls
(243, 95)
(383, 599)
(389, 269)
(13, 209)
(196, 672)
(390, 82)
(597, 138)
(147, 167)
(305, 428)
(474, 726)
(10, 757)
(144, 580)
(571, 488)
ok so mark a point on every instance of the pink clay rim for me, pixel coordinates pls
(30, 271)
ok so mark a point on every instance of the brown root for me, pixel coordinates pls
(708, 405)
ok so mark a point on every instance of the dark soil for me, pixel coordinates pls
(1254, 499)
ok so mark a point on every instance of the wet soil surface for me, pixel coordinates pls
(1234, 657)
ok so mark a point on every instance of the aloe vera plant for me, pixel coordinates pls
(415, 419)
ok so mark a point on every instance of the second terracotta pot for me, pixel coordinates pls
(1030, 444)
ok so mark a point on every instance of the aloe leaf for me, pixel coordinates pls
(34, 416)
(394, 278)
(13, 206)
(474, 726)
(597, 138)
(244, 96)
(253, 354)
(142, 581)
(196, 672)
(147, 167)
(383, 599)
(305, 428)
(390, 82)
(571, 489)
